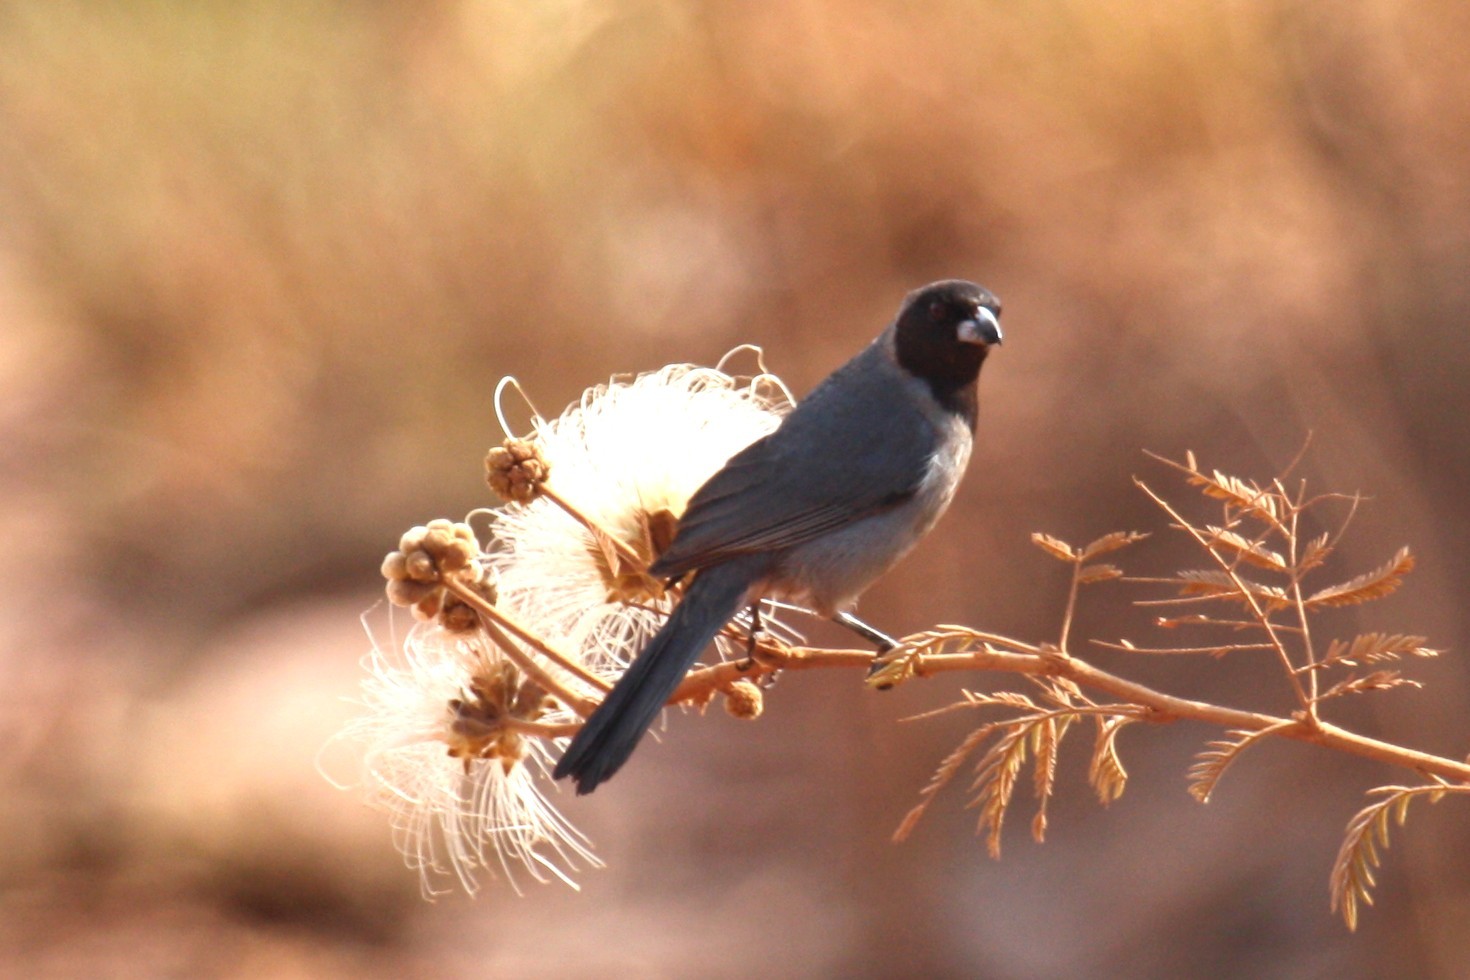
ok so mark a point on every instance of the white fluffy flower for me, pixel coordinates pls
(458, 743)
(629, 457)
(462, 795)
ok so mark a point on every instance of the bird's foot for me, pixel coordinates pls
(756, 653)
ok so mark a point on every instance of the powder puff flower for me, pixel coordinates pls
(628, 457)
(450, 752)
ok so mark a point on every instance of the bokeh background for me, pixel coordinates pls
(261, 265)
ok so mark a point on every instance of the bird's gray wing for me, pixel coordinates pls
(855, 447)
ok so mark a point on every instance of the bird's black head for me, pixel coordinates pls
(942, 335)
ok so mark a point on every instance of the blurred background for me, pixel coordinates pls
(262, 263)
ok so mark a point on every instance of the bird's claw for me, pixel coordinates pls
(892, 665)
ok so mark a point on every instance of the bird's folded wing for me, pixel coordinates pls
(821, 471)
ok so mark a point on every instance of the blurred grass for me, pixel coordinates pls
(262, 263)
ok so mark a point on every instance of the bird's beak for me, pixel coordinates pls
(983, 328)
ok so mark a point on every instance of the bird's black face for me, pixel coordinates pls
(944, 331)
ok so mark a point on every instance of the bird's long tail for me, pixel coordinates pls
(615, 728)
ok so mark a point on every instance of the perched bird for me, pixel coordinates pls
(814, 512)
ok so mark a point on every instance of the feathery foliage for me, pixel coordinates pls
(1257, 593)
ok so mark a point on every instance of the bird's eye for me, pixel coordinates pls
(937, 312)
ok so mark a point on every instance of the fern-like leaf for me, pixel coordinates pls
(1219, 755)
(995, 779)
(941, 778)
(1045, 742)
(1372, 585)
(1110, 542)
(1352, 873)
(1055, 547)
(1217, 584)
(1098, 573)
(1238, 493)
(1250, 551)
(898, 665)
(1377, 680)
(1372, 648)
(1314, 553)
(1105, 771)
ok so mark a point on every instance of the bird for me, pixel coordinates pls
(815, 511)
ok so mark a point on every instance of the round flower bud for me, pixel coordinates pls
(744, 700)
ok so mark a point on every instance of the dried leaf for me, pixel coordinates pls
(1006, 699)
(941, 778)
(1059, 692)
(1314, 553)
(1247, 550)
(1055, 547)
(1111, 542)
(1219, 755)
(1378, 680)
(1214, 583)
(1098, 573)
(1372, 648)
(995, 781)
(1352, 873)
(1105, 771)
(1046, 741)
(1038, 824)
(1238, 493)
(893, 668)
(1366, 587)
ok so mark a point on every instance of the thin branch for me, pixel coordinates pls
(583, 706)
(1306, 702)
(499, 617)
(541, 729)
(703, 682)
(624, 550)
(1167, 707)
(1214, 651)
(1071, 604)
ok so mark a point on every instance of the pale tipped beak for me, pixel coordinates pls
(983, 328)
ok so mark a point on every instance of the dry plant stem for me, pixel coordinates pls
(701, 683)
(499, 619)
(1167, 707)
(625, 552)
(1188, 651)
(540, 729)
(1300, 602)
(1309, 706)
(1071, 605)
(583, 706)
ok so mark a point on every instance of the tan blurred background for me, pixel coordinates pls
(262, 263)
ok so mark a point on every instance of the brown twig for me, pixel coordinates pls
(541, 729)
(624, 550)
(1308, 705)
(1168, 707)
(496, 617)
(1162, 707)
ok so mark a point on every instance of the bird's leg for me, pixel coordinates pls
(754, 639)
(885, 643)
(752, 648)
(881, 640)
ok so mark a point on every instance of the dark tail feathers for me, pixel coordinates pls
(615, 728)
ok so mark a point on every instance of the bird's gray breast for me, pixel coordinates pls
(830, 572)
